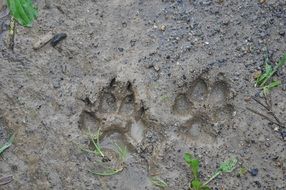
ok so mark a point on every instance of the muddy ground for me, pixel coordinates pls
(160, 77)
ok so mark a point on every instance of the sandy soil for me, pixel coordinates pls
(161, 77)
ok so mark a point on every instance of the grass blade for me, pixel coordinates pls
(122, 152)
(281, 62)
(159, 182)
(108, 172)
(7, 144)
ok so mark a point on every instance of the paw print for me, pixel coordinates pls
(121, 119)
(203, 107)
(117, 114)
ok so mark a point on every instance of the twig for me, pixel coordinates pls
(6, 179)
(266, 117)
(12, 32)
(268, 107)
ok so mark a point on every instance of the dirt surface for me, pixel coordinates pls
(161, 77)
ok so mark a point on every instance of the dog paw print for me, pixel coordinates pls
(117, 114)
(203, 107)
(121, 119)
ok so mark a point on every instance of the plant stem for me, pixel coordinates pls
(7, 144)
(211, 178)
(12, 32)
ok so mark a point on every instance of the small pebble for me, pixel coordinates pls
(282, 33)
(162, 27)
(157, 68)
(253, 172)
(57, 38)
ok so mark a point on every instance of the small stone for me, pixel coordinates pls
(282, 33)
(253, 172)
(120, 49)
(247, 98)
(163, 27)
(157, 68)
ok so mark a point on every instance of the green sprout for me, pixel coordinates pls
(264, 80)
(7, 144)
(121, 151)
(94, 139)
(196, 184)
(194, 164)
(22, 11)
(226, 167)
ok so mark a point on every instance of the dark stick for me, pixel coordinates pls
(266, 117)
(268, 109)
(260, 103)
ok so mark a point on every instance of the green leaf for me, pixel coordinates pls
(263, 77)
(269, 72)
(228, 165)
(196, 184)
(269, 87)
(108, 172)
(122, 152)
(188, 158)
(193, 163)
(23, 11)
